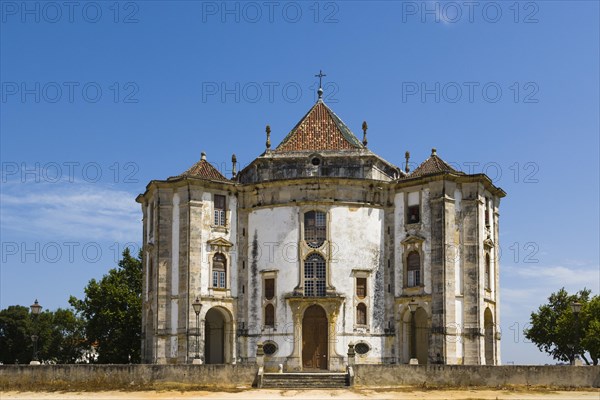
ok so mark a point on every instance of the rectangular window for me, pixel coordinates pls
(222, 279)
(219, 210)
(414, 278)
(361, 288)
(215, 279)
(315, 228)
(269, 288)
(413, 214)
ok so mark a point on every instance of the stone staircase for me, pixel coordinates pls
(305, 380)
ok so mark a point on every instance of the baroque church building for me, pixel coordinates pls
(318, 254)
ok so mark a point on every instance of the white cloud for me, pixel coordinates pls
(69, 211)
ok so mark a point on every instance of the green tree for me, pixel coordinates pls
(15, 335)
(62, 339)
(112, 310)
(60, 336)
(554, 330)
(590, 318)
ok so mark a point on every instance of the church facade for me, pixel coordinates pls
(320, 253)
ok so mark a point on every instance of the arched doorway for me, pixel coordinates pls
(417, 346)
(422, 333)
(314, 338)
(488, 324)
(214, 333)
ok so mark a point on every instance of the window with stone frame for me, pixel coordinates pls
(361, 314)
(269, 315)
(487, 276)
(314, 276)
(361, 288)
(219, 271)
(413, 209)
(413, 269)
(413, 214)
(219, 206)
(315, 228)
(269, 288)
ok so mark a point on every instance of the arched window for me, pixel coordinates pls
(361, 314)
(314, 276)
(269, 315)
(219, 271)
(413, 269)
(315, 229)
(487, 271)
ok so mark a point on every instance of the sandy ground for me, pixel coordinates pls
(338, 394)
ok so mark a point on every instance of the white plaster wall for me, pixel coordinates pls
(426, 233)
(209, 233)
(399, 235)
(277, 235)
(458, 269)
(458, 306)
(358, 236)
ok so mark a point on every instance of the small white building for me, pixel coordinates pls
(318, 247)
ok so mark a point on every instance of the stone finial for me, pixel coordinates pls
(407, 157)
(434, 152)
(364, 128)
(203, 156)
(268, 130)
(234, 162)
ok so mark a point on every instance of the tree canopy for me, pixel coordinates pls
(60, 336)
(556, 331)
(112, 311)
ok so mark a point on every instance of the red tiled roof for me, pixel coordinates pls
(203, 169)
(432, 165)
(319, 129)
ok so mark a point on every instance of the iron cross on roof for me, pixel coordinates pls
(320, 76)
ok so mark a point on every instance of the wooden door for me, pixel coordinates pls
(314, 338)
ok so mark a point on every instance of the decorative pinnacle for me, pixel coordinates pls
(320, 76)
(364, 128)
(407, 156)
(433, 152)
(233, 161)
(203, 156)
(268, 130)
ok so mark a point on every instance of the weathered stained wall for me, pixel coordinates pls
(462, 375)
(106, 377)
(103, 377)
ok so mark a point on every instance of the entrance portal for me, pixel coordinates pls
(214, 352)
(314, 338)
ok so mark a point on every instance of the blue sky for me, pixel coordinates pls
(98, 98)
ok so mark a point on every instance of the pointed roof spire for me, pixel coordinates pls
(319, 129)
(320, 90)
(203, 170)
(433, 165)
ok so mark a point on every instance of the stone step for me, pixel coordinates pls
(305, 380)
